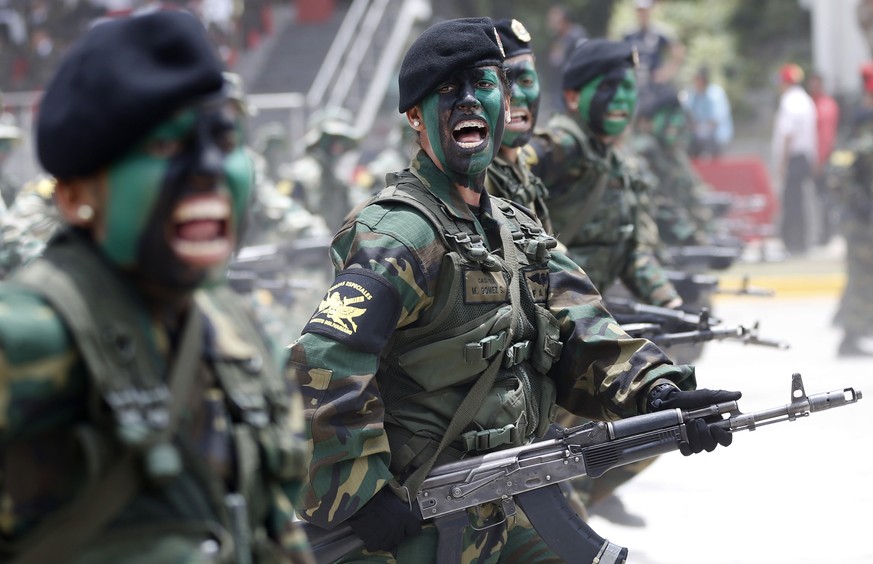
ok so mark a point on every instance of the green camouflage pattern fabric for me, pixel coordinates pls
(45, 402)
(516, 182)
(516, 541)
(681, 216)
(609, 246)
(28, 224)
(600, 374)
(850, 173)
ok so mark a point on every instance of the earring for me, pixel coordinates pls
(508, 118)
(415, 123)
(85, 212)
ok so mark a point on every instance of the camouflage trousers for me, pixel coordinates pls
(506, 540)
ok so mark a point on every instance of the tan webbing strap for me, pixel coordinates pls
(74, 526)
(476, 397)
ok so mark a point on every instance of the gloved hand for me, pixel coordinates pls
(702, 434)
(384, 521)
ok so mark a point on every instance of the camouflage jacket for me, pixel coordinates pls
(609, 246)
(51, 400)
(516, 182)
(850, 175)
(601, 372)
(681, 217)
(28, 224)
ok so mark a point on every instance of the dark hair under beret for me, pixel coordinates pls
(514, 36)
(594, 57)
(117, 83)
(442, 50)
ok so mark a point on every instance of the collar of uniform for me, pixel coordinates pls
(443, 188)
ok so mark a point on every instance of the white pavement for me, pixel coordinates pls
(793, 492)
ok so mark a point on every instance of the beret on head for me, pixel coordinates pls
(657, 98)
(593, 58)
(514, 36)
(117, 83)
(444, 49)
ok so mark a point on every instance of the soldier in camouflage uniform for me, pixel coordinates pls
(452, 329)
(594, 197)
(331, 135)
(143, 418)
(509, 176)
(28, 225)
(851, 174)
(661, 130)
(598, 201)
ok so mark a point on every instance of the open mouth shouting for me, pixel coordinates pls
(617, 115)
(201, 234)
(470, 134)
(521, 119)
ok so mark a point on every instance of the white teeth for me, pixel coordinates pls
(213, 208)
(470, 145)
(201, 248)
(518, 115)
(470, 123)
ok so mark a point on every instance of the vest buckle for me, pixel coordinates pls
(490, 438)
(516, 354)
(485, 348)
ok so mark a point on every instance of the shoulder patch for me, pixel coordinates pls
(360, 310)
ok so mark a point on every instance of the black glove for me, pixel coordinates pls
(384, 521)
(702, 433)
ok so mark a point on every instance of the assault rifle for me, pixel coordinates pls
(697, 287)
(529, 475)
(667, 327)
(273, 267)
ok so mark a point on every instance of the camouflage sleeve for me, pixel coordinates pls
(343, 405)
(643, 274)
(42, 377)
(603, 373)
(552, 154)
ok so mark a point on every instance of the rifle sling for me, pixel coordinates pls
(564, 531)
(72, 527)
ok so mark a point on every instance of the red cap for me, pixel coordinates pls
(791, 74)
(867, 76)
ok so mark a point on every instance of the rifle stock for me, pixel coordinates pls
(591, 449)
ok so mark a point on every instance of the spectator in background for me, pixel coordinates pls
(827, 121)
(660, 55)
(565, 35)
(710, 109)
(795, 152)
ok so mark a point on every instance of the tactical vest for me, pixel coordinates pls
(503, 180)
(427, 369)
(130, 415)
(602, 244)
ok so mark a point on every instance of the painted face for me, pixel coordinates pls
(670, 126)
(177, 200)
(525, 100)
(465, 120)
(607, 103)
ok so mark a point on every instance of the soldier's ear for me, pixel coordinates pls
(78, 200)
(571, 99)
(415, 119)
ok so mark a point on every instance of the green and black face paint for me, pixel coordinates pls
(177, 200)
(465, 119)
(670, 126)
(524, 102)
(608, 102)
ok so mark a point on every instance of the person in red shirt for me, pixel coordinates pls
(827, 122)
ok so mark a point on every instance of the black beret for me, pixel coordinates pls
(658, 97)
(594, 57)
(117, 83)
(514, 36)
(444, 49)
